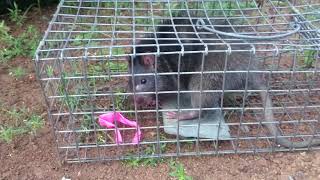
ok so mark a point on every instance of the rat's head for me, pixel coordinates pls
(142, 83)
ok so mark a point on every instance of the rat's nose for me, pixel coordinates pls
(139, 99)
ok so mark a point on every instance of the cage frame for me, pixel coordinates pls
(308, 39)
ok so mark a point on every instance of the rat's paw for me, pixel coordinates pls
(187, 115)
(171, 115)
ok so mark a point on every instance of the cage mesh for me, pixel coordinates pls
(82, 67)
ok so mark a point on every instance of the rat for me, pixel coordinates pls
(195, 41)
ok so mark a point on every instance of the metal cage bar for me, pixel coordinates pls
(82, 67)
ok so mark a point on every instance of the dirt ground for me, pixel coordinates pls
(36, 158)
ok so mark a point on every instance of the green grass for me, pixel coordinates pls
(22, 121)
(50, 71)
(29, 41)
(87, 124)
(96, 69)
(16, 14)
(118, 51)
(79, 38)
(124, 4)
(69, 101)
(115, 51)
(309, 58)
(4, 29)
(177, 171)
(17, 72)
(33, 123)
(213, 8)
(119, 100)
(149, 150)
(73, 102)
(104, 67)
(15, 113)
(24, 44)
(7, 134)
(100, 138)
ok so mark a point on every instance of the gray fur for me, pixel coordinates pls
(212, 62)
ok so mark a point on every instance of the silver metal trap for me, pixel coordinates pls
(82, 67)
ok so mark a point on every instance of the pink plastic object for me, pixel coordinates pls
(107, 120)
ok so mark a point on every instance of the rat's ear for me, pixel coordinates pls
(148, 60)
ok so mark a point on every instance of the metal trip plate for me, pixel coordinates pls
(212, 125)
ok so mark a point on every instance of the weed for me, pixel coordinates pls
(102, 68)
(5, 39)
(149, 150)
(70, 102)
(85, 38)
(96, 69)
(25, 122)
(81, 39)
(50, 71)
(176, 8)
(100, 138)
(17, 72)
(14, 114)
(309, 58)
(117, 51)
(8, 133)
(16, 14)
(117, 66)
(213, 8)
(33, 123)
(29, 41)
(133, 162)
(24, 44)
(247, 5)
(4, 29)
(119, 100)
(86, 123)
(123, 5)
(177, 171)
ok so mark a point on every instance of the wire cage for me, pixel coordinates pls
(82, 65)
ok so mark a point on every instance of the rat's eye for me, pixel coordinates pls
(143, 81)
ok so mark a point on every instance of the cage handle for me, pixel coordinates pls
(202, 25)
